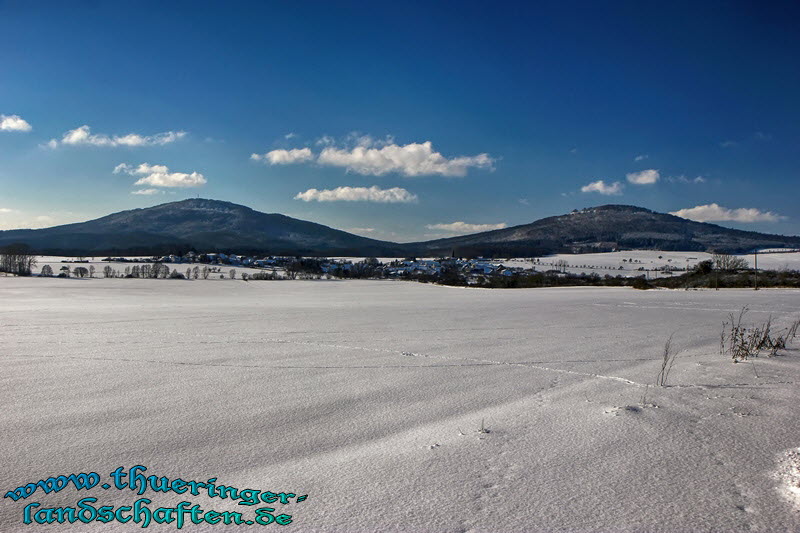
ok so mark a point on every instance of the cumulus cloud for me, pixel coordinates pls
(413, 159)
(645, 177)
(463, 227)
(160, 176)
(641, 157)
(395, 195)
(13, 123)
(717, 213)
(284, 157)
(365, 155)
(83, 136)
(603, 188)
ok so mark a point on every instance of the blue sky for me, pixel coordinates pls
(402, 121)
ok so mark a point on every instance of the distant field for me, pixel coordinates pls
(368, 396)
(610, 263)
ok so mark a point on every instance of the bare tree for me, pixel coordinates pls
(81, 272)
(17, 259)
(46, 271)
(729, 262)
(232, 273)
(206, 272)
(292, 270)
(157, 270)
(108, 271)
(91, 271)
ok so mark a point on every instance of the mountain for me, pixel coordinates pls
(205, 225)
(604, 228)
(212, 225)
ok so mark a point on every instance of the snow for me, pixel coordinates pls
(56, 262)
(619, 263)
(369, 396)
(626, 263)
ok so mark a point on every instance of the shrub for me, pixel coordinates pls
(704, 267)
(741, 342)
(667, 361)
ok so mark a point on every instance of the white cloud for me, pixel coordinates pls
(645, 177)
(285, 157)
(368, 156)
(361, 230)
(290, 135)
(717, 213)
(684, 179)
(160, 176)
(17, 219)
(601, 187)
(463, 227)
(524, 201)
(83, 136)
(728, 144)
(7, 210)
(13, 123)
(641, 157)
(395, 195)
(147, 192)
(414, 159)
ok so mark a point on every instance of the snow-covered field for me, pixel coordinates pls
(367, 396)
(57, 262)
(629, 263)
(626, 264)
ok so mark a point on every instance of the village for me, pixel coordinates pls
(471, 270)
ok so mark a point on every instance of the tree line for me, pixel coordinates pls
(17, 259)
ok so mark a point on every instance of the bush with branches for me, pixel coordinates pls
(741, 342)
(729, 262)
